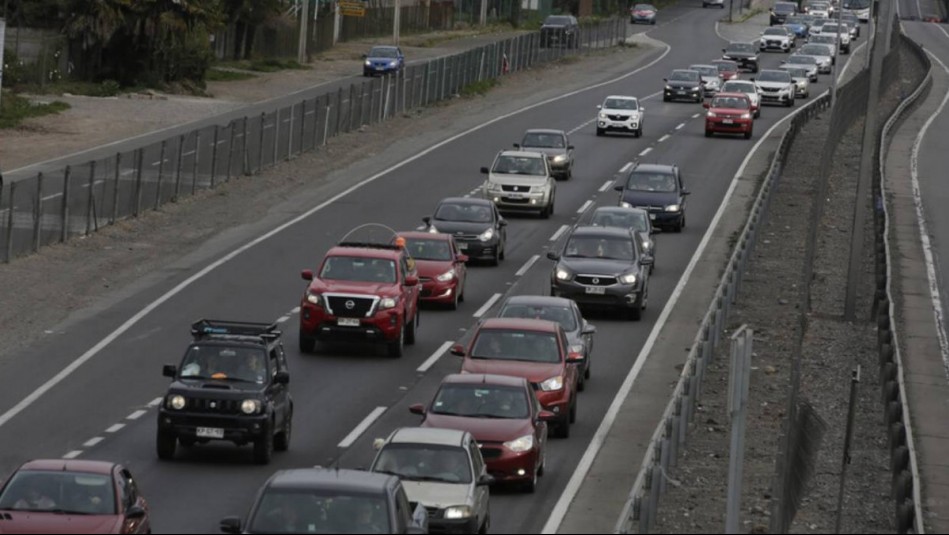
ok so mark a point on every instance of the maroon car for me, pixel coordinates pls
(535, 350)
(727, 70)
(503, 414)
(57, 496)
(441, 267)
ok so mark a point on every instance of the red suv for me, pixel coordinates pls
(362, 292)
(535, 350)
(729, 113)
(503, 414)
(441, 267)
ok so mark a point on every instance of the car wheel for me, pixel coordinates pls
(412, 328)
(636, 313)
(748, 134)
(653, 23)
(632, 21)
(454, 302)
(542, 469)
(665, 99)
(397, 348)
(639, 132)
(573, 410)
(581, 384)
(530, 486)
(757, 113)
(599, 132)
(708, 133)
(486, 526)
(496, 259)
(307, 344)
(502, 247)
(282, 442)
(186, 443)
(166, 444)
(263, 449)
(563, 427)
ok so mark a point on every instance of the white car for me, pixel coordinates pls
(620, 114)
(802, 81)
(824, 54)
(830, 28)
(712, 80)
(829, 40)
(521, 181)
(748, 88)
(717, 3)
(776, 38)
(807, 62)
(776, 87)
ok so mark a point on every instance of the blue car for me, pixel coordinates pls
(799, 26)
(383, 60)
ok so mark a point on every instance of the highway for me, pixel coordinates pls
(99, 406)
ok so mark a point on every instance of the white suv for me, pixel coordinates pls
(521, 181)
(776, 87)
(830, 28)
(621, 114)
(776, 38)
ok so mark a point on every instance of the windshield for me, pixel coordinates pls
(482, 401)
(519, 165)
(243, 364)
(621, 104)
(706, 70)
(775, 31)
(464, 213)
(600, 247)
(733, 103)
(802, 60)
(828, 39)
(383, 52)
(557, 314)
(421, 249)
(740, 48)
(60, 492)
(632, 220)
(726, 66)
(643, 181)
(424, 462)
(856, 4)
(831, 29)
(359, 269)
(795, 20)
(774, 76)
(558, 21)
(303, 511)
(684, 76)
(644, 7)
(815, 50)
(544, 141)
(796, 72)
(785, 8)
(739, 87)
(527, 346)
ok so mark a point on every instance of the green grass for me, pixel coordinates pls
(109, 88)
(479, 88)
(15, 109)
(263, 65)
(218, 75)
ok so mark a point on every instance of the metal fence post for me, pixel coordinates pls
(290, 130)
(161, 173)
(197, 161)
(303, 125)
(339, 112)
(140, 158)
(37, 212)
(64, 209)
(352, 104)
(230, 153)
(260, 148)
(245, 157)
(10, 222)
(740, 374)
(277, 127)
(115, 187)
(326, 121)
(92, 219)
(178, 165)
(214, 154)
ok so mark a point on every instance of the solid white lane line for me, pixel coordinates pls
(560, 232)
(681, 126)
(487, 306)
(527, 267)
(155, 402)
(664, 138)
(434, 358)
(607, 186)
(151, 307)
(624, 169)
(92, 442)
(72, 454)
(586, 206)
(354, 435)
(115, 428)
(586, 462)
(645, 152)
(136, 415)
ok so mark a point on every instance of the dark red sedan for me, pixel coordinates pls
(57, 496)
(727, 70)
(729, 113)
(503, 414)
(535, 350)
(441, 267)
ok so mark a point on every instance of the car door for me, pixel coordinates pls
(566, 143)
(283, 392)
(499, 227)
(482, 495)
(411, 294)
(461, 269)
(130, 500)
(540, 426)
(572, 370)
(582, 322)
(277, 393)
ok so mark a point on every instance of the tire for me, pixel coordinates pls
(639, 132)
(282, 440)
(581, 384)
(708, 133)
(653, 23)
(263, 449)
(748, 134)
(412, 329)
(636, 313)
(563, 428)
(166, 444)
(665, 99)
(529, 487)
(502, 252)
(587, 373)
(632, 20)
(573, 411)
(455, 302)
(599, 132)
(486, 526)
(307, 344)
(186, 443)
(397, 348)
(757, 113)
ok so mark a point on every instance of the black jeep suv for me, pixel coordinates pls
(232, 386)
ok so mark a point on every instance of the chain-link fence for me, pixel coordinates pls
(33, 57)
(54, 207)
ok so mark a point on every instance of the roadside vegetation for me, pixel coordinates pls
(15, 109)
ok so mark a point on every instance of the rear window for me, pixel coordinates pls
(423, 462)
(557, 314)
(543, 140)
(740, 48)
(785, 8)
(774, 76)
(558, 21)
(435, 250)
(482, 401)
(684, 76)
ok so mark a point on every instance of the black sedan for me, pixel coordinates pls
(659, 190)
(684, 84)
(744, 54)
(478, 228)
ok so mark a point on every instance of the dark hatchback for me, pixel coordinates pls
(560, 31)
(684, 84)
(781, 11)
(478, 228)
(659, 190)
(744, 54)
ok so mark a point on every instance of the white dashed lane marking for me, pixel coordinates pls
(681, 126)
(664, 138)
(115, 428)
(625, 168)
(527, 267)
(72, 455)
(487, 306)
(605, 187)
(92, 442)
(136, 415)
(155, 402)
(645, 152)
(697, 115)
(559, 233)
(353, 436)
(434, 358)
(586, 206)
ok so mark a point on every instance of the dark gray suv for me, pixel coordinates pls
(603, 267)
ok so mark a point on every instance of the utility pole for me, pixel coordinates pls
(833, 81)
(3, 35)
(397, 22)
(484, 12)
(336, 22)
(304, 32)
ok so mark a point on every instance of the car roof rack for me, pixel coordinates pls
(206, 329)
(372, 236)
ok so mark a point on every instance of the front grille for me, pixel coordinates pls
(596, 280)
(466, 237)
(516, 189)
(617, 117)
(515, 201)
(432, 512)
(491, 453)
(214, 406)
(350, 307)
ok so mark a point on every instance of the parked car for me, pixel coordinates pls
(319, 500)
(383, 60)
(443, 471)
(555, 144)
(561, 31)
(476, 225)
(620, 113)
(683, 84)
(645, 13)
(505, 418)
(74, 496)
(441, 267)
(658, 189)
(521, 181)
(729, 113)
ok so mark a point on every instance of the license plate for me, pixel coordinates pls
(462, 246)
(380, 68)
(596, 290)
(652, 217)
(349, 322)
(517, 195)
(727, 121)
(682, 92)
(210, 432)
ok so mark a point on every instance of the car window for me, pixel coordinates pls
(558, 21)
(738, 87)
(726, 66)
(384, 52)
(638, 221)
(424, 462)
(774, 76)
(65, 492)
(464, 213)
(705, 70)
(606, 248)
(526, 346)
(732, 103)
(519, 165)
(785, 8)
(621, 104)
(802, 60)
(684, 76)
(543, 140)
(424, 249)
(225, 363)
(481, 401)
(555, 313)
(654, 182)
(403, 508)
(477, 461)
(359, 269)
(302, 511)
(775, 31)
(740, 47)
(644, 7)
(128, 488)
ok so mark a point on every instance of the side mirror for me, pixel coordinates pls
(599, 107)
(502, 223)
(618, 188)
(751, 79)
(458, 350)
(588, 330)
(642, 110)
(517, 145)
(365, 56)
(485, 171)
(575, 358)
(656, 230)
(307, 274)
(411, 281)
(547, 416)
(135, 512)
(231, 524)
(553, 256)
(570, 147)
(282, 378)
(378, 444)
(427, 221)
(665, 79)
(647, 260)
(418, 408)
(686, 192)
(463, 259)
(705, 105)
(486, 480)
(170, 370)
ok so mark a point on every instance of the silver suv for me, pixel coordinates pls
(521, 181)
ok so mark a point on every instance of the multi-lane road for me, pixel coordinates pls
(89, 391)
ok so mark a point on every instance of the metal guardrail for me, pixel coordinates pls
(77, 200)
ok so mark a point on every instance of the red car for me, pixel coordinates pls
(727, 70)
(441, 267)
(535, 350)
(729, 113)
(362, 292)
(503, 414)
(58, 496)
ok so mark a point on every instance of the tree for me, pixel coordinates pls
(246, 16)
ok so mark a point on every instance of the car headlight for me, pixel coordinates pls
(577, 348)
(387, 303)
(432, 230)
(487, 235)
(250, 406)
(368, 63)
(712, 115)
(625, 204)
(746, 116)
(457, 512)
(560, 158)
(314, 298)
(521, 445)
(552, 384)
(563, 275)
(176, 402)
(602, 115)
(393, 63)
(673, 208)
(629, 278)
(647, 245)
(669, 88)
(446, 277)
